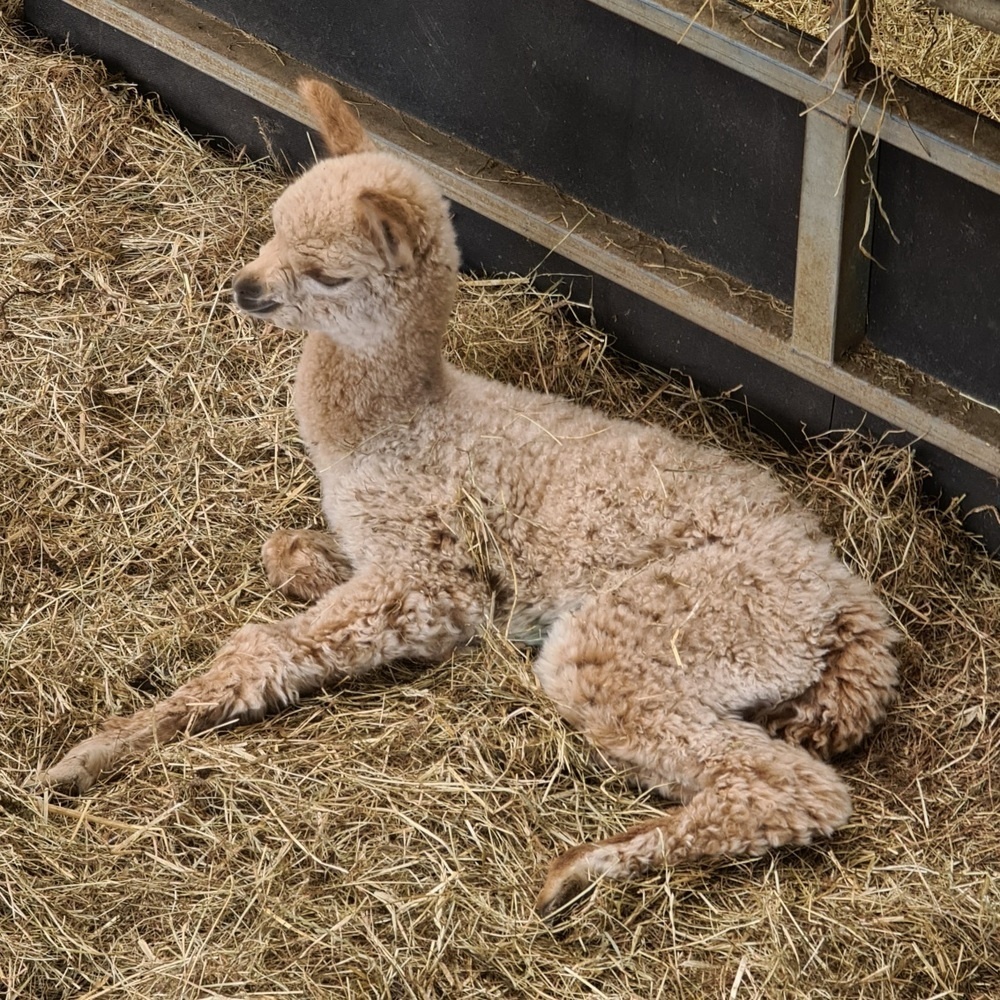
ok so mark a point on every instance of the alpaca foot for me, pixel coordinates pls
(304, 565)
(569, 878)
(70, 776)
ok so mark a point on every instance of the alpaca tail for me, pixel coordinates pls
(851, 696)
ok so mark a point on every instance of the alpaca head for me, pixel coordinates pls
(363, 247)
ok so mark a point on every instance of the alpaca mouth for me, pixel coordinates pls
(256, 307)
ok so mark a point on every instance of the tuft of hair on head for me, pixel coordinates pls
(336, 122)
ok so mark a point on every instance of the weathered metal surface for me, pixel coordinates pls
(953, 138)
(848, 42)
(831, 281)
(985, 13)
(635, 126)
(934, 292)
(832, 262)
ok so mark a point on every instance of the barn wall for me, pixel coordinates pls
(934, 297)
(704, 161)
(599, 119)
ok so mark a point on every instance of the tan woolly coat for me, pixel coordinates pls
(697, 625)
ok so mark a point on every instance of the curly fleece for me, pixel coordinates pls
(700, 630)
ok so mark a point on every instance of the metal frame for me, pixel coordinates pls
(922, 125)
(832, 257)
(985, 13)
(832, 266)
(831, 279)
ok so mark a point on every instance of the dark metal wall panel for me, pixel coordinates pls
(935, 295)
(626, 120)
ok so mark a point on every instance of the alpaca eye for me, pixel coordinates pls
(326, 280)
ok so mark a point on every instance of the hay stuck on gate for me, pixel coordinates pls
(380, 841)
(917, 42)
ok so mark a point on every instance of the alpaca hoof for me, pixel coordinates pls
(68, 777)
(302, 565)
(568, 881)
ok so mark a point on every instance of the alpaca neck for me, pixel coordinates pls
(343, 398)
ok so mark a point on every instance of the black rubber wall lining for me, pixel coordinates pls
(582, 99)
(935, 294)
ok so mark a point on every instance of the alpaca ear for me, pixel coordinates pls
(395, 227)
(337, 124)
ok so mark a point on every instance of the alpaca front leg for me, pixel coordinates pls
(251, 674)
(360, 625)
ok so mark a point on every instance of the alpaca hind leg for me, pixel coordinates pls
(370, 620)
(304, 564)
(754, 793)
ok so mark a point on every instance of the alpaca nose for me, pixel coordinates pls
(250, 296)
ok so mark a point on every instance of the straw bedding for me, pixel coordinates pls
(385, 840)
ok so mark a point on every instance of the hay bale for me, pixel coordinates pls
(809, 16)
(384, 840)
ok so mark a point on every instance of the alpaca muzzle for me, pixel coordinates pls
(250, 296)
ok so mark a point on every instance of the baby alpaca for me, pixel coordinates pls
(699, 629)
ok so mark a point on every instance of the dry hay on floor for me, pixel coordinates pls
(914, 41)
(386, 839)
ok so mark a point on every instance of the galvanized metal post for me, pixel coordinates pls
(833, 263)
(849, 40)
